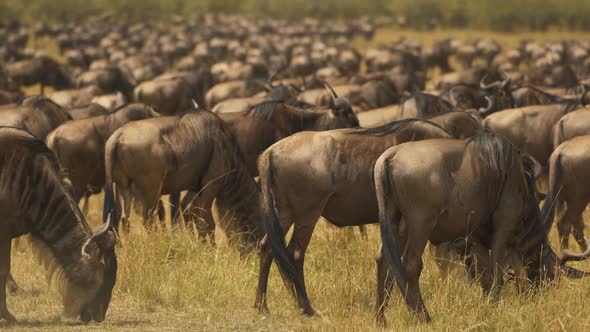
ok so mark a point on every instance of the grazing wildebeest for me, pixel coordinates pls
(35, 199)
(568, 173)
(313, 174)
(86, 111)
(271, 121)
(38, 114)
(481, 189)
(571, 125)
(196, 151)
(530, 128)
(79, 146)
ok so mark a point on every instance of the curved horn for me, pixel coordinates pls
(567, 256)
(489, 108)
(505, 83)
(195, 104)
(572, 272)
(331, 91)
(482, 83)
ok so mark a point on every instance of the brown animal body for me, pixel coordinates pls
(313, 174)
(86, 111)
(34, 199)
(167, 96)
(442, 190)
(529, 128)
(38, 115)
(568, 191)
(79, 146)
(195, 152)
(270, 122)
(571, 125)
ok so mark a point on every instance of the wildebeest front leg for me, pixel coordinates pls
(197, 212)
(5, 245)
(265, 263)
(11, 284)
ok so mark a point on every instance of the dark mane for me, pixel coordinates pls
(39, 148)
(495, 152)
(118, 108)
(267, 109)
(263, 110)
(391, 127)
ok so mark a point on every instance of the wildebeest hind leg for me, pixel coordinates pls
(265, 263)
(297, 247)
(412, 260)
(5, 245)
(577, 224)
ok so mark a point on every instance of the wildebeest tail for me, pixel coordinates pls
(109, 196)
(274, 231)
(554, 199)
(388, 214)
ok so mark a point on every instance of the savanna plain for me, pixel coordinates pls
(169, 280)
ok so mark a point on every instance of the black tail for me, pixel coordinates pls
(274, 231)
(110, 205)
(554, 199)
(388, 212)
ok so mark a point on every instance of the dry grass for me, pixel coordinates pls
(168, 280)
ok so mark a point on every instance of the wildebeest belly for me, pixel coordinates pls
(456, 223)
(352, 208)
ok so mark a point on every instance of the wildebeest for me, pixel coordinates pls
(271, 121)
(496, 94)
(481, 189)
(86, 111)
(232, 89)
(571, 125)
(313, 174)
(43, 70)
(568, 173)
(35, 199)
(195, 151)
(37, 114)
(530, 128)
(167, 96)
(79, 146)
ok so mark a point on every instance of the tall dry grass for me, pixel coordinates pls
(169, 280)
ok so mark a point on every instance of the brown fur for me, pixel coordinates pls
(313, 174)
(35, 199)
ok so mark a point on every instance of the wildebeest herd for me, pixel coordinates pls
(279, 123)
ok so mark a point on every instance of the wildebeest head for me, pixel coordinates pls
(100, 253)
(500, 94)
(341, 110)
(540, 261)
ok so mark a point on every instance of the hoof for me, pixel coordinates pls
(8, 317)
(262, 308)
(309, 312)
